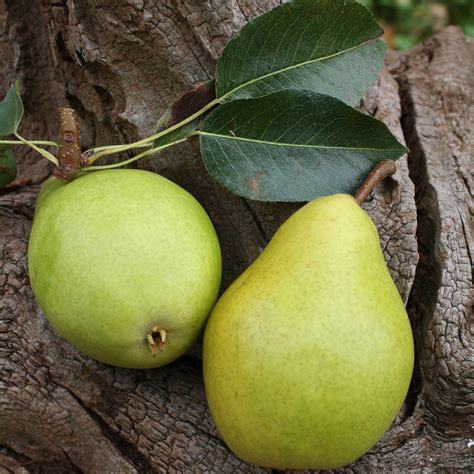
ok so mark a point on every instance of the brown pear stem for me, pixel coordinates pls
(379, 172)
(69, 153)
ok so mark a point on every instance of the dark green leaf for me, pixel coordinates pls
(327, 46)
(7, 166)
(188, 104)
(11, 111)
(293, 146)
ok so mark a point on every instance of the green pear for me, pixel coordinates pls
(309, 353)
(125, 264)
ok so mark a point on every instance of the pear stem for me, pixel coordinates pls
(69, 153)
(157, 335)
(379, 172)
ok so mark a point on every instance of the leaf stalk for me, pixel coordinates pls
(34, 142)
(134, 158)
(41, 151)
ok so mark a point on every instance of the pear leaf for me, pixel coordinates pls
(7, 166)
(188, 104)
(11, 111)
(293, 145)
(327, 46)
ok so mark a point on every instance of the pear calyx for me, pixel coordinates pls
(156, 339)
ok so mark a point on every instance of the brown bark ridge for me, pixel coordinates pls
(118, 64)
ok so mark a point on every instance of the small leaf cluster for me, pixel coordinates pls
(278, 123)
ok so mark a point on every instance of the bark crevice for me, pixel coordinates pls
(127, 450)
(427, 280)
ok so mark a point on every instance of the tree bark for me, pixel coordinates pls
(119, 64)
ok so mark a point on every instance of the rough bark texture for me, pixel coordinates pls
(119, 63)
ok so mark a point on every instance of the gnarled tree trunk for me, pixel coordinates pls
(119, 63)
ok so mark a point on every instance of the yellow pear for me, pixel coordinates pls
(309, 354)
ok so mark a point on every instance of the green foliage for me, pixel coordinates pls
(285, 130)
(316, 145)
(412, 21)
(7, 166)
(326, 46)
(11, 111)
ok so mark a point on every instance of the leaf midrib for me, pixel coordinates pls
(266, 142)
